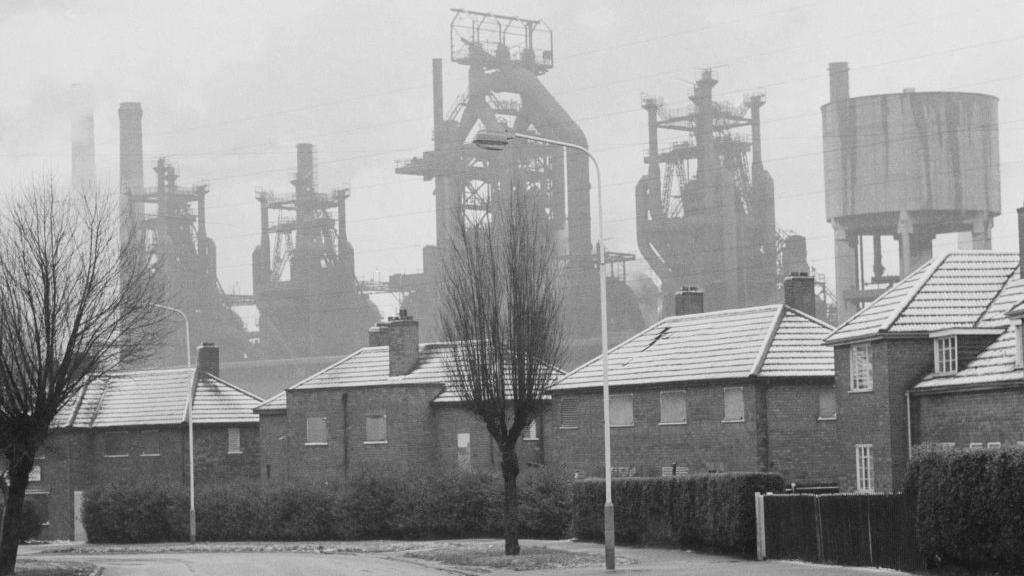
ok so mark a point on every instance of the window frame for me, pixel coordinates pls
(725, 405)
(861, 370)
(126, 444)
(993, 445)
(238, 440)
(464, 460)
(530, 432)
(611, 412)
(945, 350)
(865, 467)
(366, 431)
(564, 407)
(142, 440)
(835, 404)
(326, 438)
(661, 407)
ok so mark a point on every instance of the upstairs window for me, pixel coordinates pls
(115, 444)
(376, 428)
(673, 407)
(150, 443)
(530, 432)
(945, 355)
(234, 441)
(569, 413)
(733, 405)
(621, 408)
(860, 368)
(316, 431)
(827, 403)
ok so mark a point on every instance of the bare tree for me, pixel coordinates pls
(501, 309)
(75, 302)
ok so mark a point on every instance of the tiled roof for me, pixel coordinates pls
(275, 403)
(771, 341)
(958, 290)
(369, 367)
(157, 397)
(996, 364)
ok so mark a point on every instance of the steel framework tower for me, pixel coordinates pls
(505, 56)
(705, 217)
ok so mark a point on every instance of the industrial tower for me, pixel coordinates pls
(705, 215)
(169, 223)
(506, 55)
(900, 169)
(303, 271)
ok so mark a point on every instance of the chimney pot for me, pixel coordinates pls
(689, 300)
(798, 292)
(208, 359)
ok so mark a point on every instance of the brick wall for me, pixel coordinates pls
(411, 442)
(966, 417)
(803, 448)
(879, 417)
(274, 463)
(451, 420)
(215, 465)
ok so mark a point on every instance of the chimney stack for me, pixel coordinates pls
(208, 359)
(401, 334)
(83, 152)
(798, 292)
(689, 300)
(130, 114)
(839, 81)
(1020, 240)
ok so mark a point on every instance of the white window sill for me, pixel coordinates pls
(672, 423)
(620, 425)
(832, 419)
(376, 442)
(530, 439)
(568, 427)
(149, 455)
(861, 391)
(235, 452)
(740, 421)
(115, 455)
(316, 443)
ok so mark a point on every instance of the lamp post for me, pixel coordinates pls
(498, 141)
(191, 435)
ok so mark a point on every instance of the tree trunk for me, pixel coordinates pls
(509, 472)
(10, 537)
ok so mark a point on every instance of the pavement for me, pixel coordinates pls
(382, 558)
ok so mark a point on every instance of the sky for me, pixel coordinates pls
(229, 88)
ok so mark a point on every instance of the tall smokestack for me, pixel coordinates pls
(438, 102)
(1020, 239)
(130, 114)
(755, 102)
(83, 151)
(839, 81)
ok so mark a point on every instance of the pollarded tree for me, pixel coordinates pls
(75, 302)
(501, 310)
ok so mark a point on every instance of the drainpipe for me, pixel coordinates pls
(910, 445)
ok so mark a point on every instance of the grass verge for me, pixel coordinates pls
(493, 556)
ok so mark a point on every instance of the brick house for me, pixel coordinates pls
(733, 390)
(385, 409)
(936, 359)
(131, 427)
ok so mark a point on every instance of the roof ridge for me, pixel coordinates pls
(149, 371)
(931, 267)
(269, 400)
(1006, 282)
(810, 317)
(597, 358)
(325, 369)
(767, 344)
(232, 386)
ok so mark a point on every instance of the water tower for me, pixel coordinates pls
(901, 169)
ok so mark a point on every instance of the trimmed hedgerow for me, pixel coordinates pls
(970, 506)
(714, 511)
(453, 504)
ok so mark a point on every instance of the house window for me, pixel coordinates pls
(465, 456)
(860, 368)
(994, 445)
(976, 445)
(316, 431)
(621, 410)
(234, 441)
(733, 405)
(150, 443)
(673, 407)
(827, 403)
(376, 429)
(530, 433)
(865, 469)
(569, 413)
(36, 474)
(946, 445)
(945, 355)
(115, 444)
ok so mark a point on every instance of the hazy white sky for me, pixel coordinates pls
(229, 88)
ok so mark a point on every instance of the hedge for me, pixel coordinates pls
(444, 505)
(711, 511)
(970, 506)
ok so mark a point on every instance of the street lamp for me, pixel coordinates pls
(498, 141)
(191, 436)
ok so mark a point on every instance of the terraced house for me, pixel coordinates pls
(132, 427)
(936, 359)
(733, 390)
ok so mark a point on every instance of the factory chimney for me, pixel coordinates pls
(130, 114)
(839, 81)
(83, 152)
(1020, 240)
